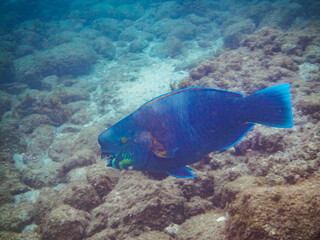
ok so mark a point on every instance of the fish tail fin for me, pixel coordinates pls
(270, 107)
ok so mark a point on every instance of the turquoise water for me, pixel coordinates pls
(69, 70)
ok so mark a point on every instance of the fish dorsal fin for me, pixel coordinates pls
(233, 94)
(159, 150)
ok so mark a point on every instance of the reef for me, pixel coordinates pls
(274, 212)
(70, 70)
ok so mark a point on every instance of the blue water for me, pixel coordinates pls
(70, 69)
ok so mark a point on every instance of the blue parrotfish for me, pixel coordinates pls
(181, 127)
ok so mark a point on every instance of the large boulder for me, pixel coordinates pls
(68, 58)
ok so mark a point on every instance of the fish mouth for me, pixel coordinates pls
(108, 156)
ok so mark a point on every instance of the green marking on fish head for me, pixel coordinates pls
(126, 161)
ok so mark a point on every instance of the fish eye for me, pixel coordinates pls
(123, 140)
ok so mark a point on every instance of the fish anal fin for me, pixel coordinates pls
(181, 172)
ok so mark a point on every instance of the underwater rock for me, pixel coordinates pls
(129, 11)
(105, 47)
(80, 196)
(68, 94)
(23, 50)
(197, 205)
(65, 222)
(263, 38)
(203, 227)
(151, 235)
(108, 27)
(79, 118)
(283, 14)
(257, 11)
(310, 107)
(40, 139)
(10, 181)
(168, 9)
(62, 148)
(171, 47)
(130, 33)
(59, 38)
(80, 158)
(138, 45)
(259, 142)
(234, 33)
(78, 175)
(49, 105)
(41, 177)
(20, 236)
(11, 142)
(231, 189)
(46, 201)
(15, 217)
(32, 121)
(5, 195)
(6, 67)
(28, 37)
(156, 210)
(59, 60)
(179, 28)
(102, 179)
(5, 102)
(202, 185)
(312, 54)
(89, 33)
(282, 212)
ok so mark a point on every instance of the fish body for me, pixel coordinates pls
(181, 127)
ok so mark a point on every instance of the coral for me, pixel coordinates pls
(290, 212)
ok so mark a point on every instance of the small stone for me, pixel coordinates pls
(172, 229)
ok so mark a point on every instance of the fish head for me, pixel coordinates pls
(118, 147)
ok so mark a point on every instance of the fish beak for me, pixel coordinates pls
(107, 156)
(109, 163)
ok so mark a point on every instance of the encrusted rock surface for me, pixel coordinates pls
(273, 212)
(65, 222)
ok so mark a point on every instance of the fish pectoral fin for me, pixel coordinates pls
(181, 172)
(162, 153)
